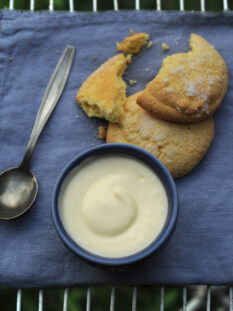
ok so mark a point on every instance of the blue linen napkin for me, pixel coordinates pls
(31, 253)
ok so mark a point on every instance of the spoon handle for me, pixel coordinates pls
(50, 99)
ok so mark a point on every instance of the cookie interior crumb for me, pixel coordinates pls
(165, 46)
(133, 43)
(132, 82)
(149, 44)
(102, 132)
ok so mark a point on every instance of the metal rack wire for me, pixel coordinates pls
(116, 7)
(203, 295)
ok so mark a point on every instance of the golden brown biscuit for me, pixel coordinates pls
(189, 86)
(133, 43)
(102, 95)
(179, 146)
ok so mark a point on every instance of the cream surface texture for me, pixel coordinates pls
(113, 206)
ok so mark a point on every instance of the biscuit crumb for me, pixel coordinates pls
(149, 44)
(132, 82)
(92, 145)
(133, 43)
(95, 57)
(131, 31)
(129, 58)
(11, 59)
(165, 47)
(102, 132)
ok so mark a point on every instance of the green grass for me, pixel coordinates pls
(86, 5)
(148, 299)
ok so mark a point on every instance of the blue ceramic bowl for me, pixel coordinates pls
(155, 165)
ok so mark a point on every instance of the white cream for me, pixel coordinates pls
(113, 206)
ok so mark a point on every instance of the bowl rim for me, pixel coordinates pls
(134, 152)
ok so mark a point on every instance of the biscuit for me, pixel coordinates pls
(189, 86)
(133, 43)
(179, 146)
(102, 95)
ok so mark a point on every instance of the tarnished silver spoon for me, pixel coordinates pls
(18, 185)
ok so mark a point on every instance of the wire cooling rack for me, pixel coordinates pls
(202, 296)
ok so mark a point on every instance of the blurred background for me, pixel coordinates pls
(86, 5)
(148, 298)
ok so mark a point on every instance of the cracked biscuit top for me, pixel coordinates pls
(189, 86)
(179, 146)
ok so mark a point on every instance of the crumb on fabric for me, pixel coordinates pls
(131, 31)
(147, 69)
(92, 145)
(129, 58)
(133, 43)
(102, 132)
(165, 46)
(149, 44)
(11, 59)
(95, 57)
(132, 82)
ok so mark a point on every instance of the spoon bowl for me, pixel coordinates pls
(18, 190)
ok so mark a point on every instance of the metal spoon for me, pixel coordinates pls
(18, 185)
